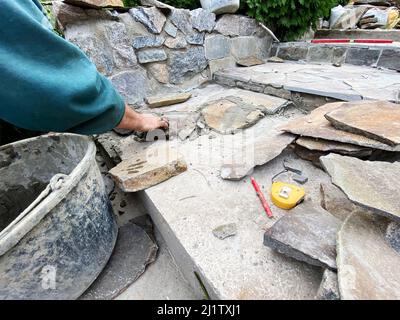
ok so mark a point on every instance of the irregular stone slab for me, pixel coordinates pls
(307, 233)
(368, 268)
(152, 55)
(336, 202)
(157, 4)
(170, 29)
(176, 43)
(167, 100)
(159, 71)
(333, 146)
(248, 62)
(186, 63)
(245, 47)
(132, 85)
(315, 125)
(228, 115)
(392, 235)
(150, 168)
(133, 251)
(217, 46)
(181, 19)
(275, 60)
(371, 184)
(203, 20)
(234, 25)
(379, 120)
(329, 288)
(225, 231)
(96, 3)
(152, 18)
(196, 38)
(148, 41)
(262, 150)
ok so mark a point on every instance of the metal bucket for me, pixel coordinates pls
(57, 229)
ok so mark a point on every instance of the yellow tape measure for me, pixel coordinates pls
(286, 196)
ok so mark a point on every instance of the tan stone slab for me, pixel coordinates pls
(167, 100)
(249, 62)
(97, 3)
(315, 125)
(228, 115)
(373, 185)
(379, 120)
(332, 146)
(368, 267)
(147, 169)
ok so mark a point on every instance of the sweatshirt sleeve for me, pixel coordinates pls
(47, 83)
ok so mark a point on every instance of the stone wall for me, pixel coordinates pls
(385, 56)
(149, 50)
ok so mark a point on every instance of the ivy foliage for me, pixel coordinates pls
(290, 19)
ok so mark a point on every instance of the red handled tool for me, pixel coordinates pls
(262, 198)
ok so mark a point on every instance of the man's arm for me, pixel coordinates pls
(48, 84)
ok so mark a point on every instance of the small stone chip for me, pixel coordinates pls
(225, 231)
(167, 100)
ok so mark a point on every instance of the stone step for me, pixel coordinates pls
(392, 34)
(373, 55)
(324, 83)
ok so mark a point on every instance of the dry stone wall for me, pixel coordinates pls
(150, 50)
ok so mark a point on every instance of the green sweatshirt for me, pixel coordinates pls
(47, 83)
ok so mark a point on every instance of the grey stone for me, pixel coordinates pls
(152, 18)
(196, 38)
(390, 59)
(329, 288)
(275, 59)
(170, 29)
(300, 178)
(225, 231)
(97, 4)
(132, 85)
(217, 47)
(94, 48)
(159, 71)
(203, 20)
(372, 185)
(219, 64)
(133, 251)
(176, 43)
(320, 54)
(124, 55)
(362, 56)
(339, 56)
(148, 41)
(181, 19)
(336, 202)
(307, 233)
(183, 64)
(250, 86)
(293, 53)
(237, 25)
(392, 235)
(152, 55)
(157, 4)
(133, 27)
(293, 166)
(244, 47)
(368, 267)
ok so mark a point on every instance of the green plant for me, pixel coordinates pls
(290, 19)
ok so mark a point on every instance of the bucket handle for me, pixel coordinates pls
(56, 183)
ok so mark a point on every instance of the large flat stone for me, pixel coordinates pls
(152, 55)
(96, 3)
(379, 120)
(132, 85)
(371, 184)
(264, 148)
(237, 25)
(133, 251)
(202, 20)
(347, 83)
(315, 125)
(368, 267)
(217, 47)
(336, 202)
(147, 169)
(332, 146)
(307, 233)
(230, 114)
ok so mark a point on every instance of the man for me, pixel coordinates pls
(48, 84)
